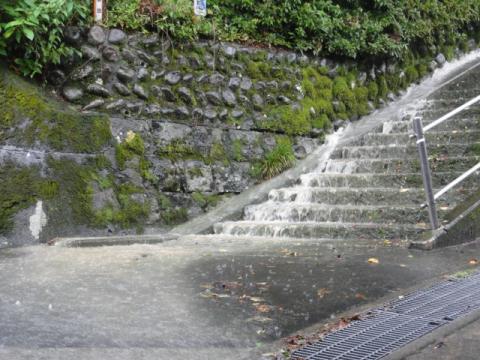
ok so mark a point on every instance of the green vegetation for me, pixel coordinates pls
(171, 215)
(133, 145)
(31, 31)
(314, 111)
(47, 122)
(75, 196)
(205, 201)
(19, 191)
(278, 160)
(170, 17)
(237, 150)
(177, 149)
(354, 29)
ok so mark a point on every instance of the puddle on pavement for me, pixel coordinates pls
(299, 285)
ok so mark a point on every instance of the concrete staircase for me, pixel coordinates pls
(371, 187)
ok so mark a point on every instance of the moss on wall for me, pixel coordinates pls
(28, 117)
(20, 188)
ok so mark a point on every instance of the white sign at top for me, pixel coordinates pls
(200, 7)
(98, 10)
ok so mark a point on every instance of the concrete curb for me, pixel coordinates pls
(463, 229)
(433, 337)
(112, 240)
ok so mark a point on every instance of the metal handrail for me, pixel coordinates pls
(451, 114)
(425, 166)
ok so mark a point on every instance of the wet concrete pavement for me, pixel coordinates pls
(198, 297)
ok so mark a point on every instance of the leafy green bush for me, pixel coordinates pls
(347, 28)
(173, 18)
(31, 31)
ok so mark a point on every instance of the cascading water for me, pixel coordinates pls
(371, 186)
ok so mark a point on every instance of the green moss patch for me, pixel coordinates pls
(20, 188)
(29, 117)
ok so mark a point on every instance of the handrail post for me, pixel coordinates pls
(426, 174)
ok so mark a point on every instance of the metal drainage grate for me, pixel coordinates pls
(398, 323)
(370, 339)
(444, 301)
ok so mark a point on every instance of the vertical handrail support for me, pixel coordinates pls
(426, 173)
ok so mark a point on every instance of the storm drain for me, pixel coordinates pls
(398, 323)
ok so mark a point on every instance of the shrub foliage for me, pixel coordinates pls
(31, 31)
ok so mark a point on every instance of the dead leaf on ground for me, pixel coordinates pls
(360, 296)
(211, 295)
(473, 261)
(259, 319)
(321, 293)
(226, 285)
(256, 299)
(373, 261)
(263, 308)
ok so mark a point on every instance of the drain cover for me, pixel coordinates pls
(398, 323)
(444, 301)
(371, 338)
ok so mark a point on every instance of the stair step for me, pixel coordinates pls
(432, 114)
(405, 151)
(460, 123)
(382, 180)
(433, 138)
(360, 196)
(314, 230)
(308, 212)
(399, 166)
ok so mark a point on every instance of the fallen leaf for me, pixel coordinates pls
(360, 296)
(256, 299)
(259, 319)
(222, 296)
(211, 295)
(263, 308)
(373, 261)
(321, 293)
(226, 285)
(473, 261)
(404, 190)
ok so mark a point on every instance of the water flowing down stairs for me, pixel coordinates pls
(371, 187)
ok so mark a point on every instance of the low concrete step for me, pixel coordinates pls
(308, 212)
(433, 138)
(460, 123)
(361, 196)
(314, 230)
(405, 151)
(400, 166)
(407, 180)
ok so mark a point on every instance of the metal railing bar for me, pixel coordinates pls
(426, 172)
(451, 114)
(457, 181)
